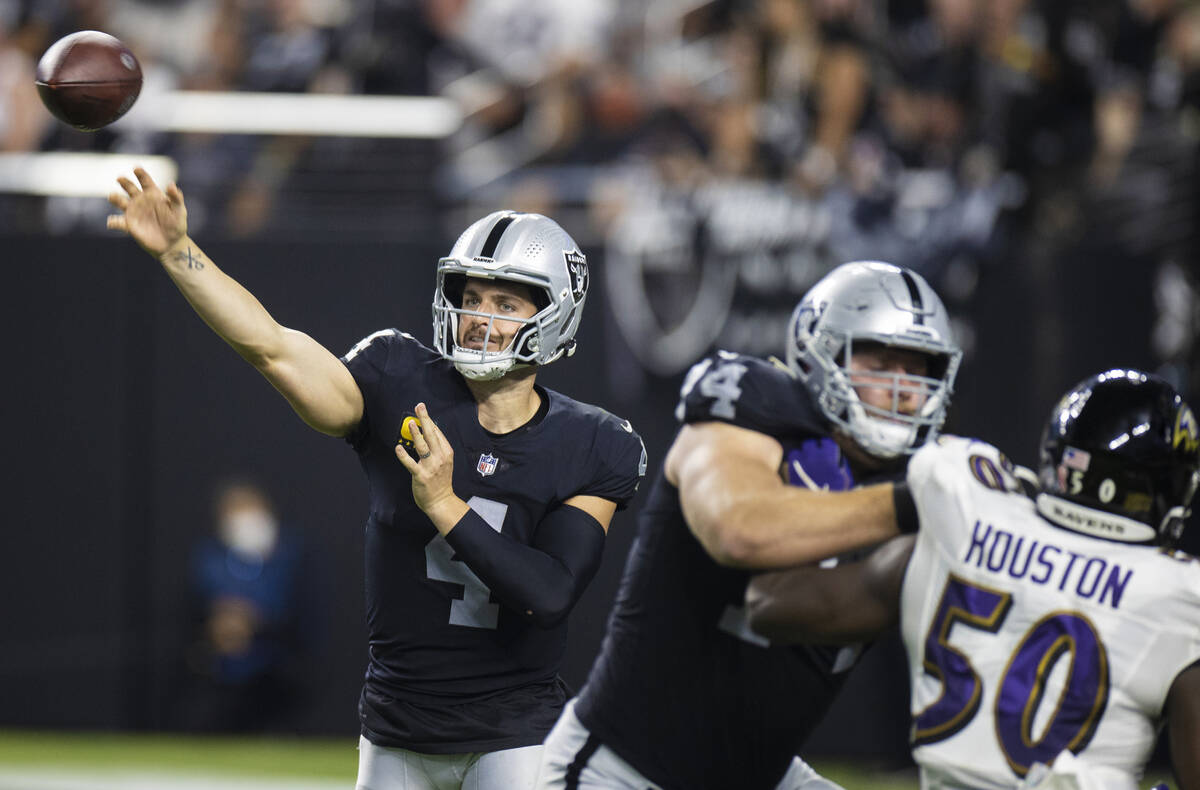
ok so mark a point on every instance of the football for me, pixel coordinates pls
(88, 79)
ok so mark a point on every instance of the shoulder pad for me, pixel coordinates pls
(748, 392)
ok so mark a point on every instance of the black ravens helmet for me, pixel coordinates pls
(1120, 459)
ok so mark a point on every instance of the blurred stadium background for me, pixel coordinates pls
(1034, 159)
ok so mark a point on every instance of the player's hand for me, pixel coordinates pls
(433, 469)
(155, 219)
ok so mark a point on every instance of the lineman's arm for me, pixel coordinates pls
(316, 383)
(847, 603)
(745, 515)
(1183, 726)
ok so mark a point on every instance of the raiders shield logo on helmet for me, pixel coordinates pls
(578, 269)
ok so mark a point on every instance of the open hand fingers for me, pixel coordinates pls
(118, 199)
(145, 180)
(427, 441)
(405, 459)
(174, 194)
(131, 189)
(433, 434)
(420, 441)
(117, 222)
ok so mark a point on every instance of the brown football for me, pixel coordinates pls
(88, 79)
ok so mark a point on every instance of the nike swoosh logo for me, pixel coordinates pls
(628, 426)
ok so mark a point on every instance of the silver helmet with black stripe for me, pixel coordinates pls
(870, 302)
(529, 249)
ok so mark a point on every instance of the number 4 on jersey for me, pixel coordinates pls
(474, 609)
(720, 383)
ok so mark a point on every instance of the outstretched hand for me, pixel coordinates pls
(432, 472)
(155, 219)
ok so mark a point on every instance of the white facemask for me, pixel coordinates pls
(250, 533)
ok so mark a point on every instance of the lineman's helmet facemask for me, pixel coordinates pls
(868, 302)
(529, 249)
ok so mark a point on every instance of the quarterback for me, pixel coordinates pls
(1051, 628)
(486, 521)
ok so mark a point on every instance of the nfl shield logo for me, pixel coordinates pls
(486, 465)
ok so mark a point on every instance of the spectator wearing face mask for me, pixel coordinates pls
(247, 581)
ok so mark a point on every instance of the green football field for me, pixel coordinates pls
(35, 760)
(100, 761)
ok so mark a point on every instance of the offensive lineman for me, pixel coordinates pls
(484, 527)
(1053, 627)
(683, 695)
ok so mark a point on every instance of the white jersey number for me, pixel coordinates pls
(719, 383)
(474, 609)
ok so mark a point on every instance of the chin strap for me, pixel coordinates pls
(488, 370)
(878, 437)
(483, 371)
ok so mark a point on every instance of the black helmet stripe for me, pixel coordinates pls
(914, 293)
(493, 239)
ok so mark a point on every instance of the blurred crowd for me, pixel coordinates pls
(723, 154)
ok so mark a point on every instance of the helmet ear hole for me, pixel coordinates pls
(527, 341)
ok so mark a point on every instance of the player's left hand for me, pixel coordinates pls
(433, 469)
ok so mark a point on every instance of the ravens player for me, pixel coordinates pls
(1047, 619)
(683, 694)
(486, 519)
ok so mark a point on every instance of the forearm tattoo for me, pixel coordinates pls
(188, 259)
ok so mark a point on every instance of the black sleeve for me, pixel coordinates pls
(906, 508)
(541, 581)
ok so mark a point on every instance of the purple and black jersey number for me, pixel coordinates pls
(1060, 635)
(975, 607)
(1081, 703)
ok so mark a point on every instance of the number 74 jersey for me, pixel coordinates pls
(1025, 639)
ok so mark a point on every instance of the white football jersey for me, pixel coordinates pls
(1025, 639)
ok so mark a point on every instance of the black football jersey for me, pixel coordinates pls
(436, 637)
(682, 689)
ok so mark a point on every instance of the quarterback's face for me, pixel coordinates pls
(887, 377)
(502, 299)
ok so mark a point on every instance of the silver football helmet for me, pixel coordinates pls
(874, 303)
(522, 248)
